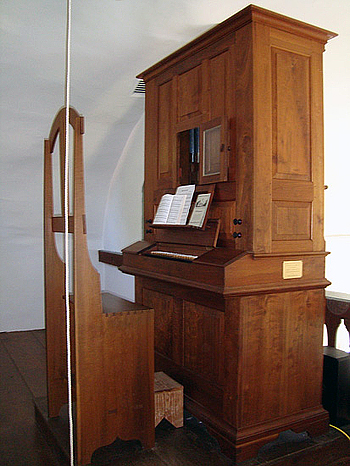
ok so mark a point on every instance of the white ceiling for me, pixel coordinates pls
(112, 41)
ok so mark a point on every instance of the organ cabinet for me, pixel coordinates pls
(241, 325)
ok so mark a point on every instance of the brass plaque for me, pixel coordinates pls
(292, 269)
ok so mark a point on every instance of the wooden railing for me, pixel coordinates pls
(337, 308)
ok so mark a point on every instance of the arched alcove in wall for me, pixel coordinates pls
(123, 213)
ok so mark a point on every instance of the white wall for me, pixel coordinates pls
(123, 219)
(111, 42)
(337, 154)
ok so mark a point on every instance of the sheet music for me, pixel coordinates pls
(200, 210)
(188, 191)
(176, 209)
(170, 209)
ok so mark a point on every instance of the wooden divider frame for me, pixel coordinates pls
(112, 348)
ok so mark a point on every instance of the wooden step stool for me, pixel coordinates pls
(168, 397)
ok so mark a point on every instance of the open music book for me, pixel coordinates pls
(173, 209)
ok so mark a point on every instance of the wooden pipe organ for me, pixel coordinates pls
(240, 326)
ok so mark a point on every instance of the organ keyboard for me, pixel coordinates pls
(185, 255)
(174, 255)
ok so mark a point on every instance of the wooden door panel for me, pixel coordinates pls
(166, 162)
(167, 324)
(281, 371)
(291, 220)
(203, 337)
(291, 117)
(218, 85)
(190, 93)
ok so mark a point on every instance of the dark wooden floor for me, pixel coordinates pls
(22, 359)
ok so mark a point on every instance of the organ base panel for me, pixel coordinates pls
(247, 355)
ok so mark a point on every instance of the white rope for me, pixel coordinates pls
(66, 235)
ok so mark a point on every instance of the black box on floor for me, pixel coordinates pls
(336, 385)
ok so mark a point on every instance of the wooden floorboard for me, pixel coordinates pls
(12, 385)
(28, 355)
(23, 377)
(21, 442)
(40, 336)
(186, 447)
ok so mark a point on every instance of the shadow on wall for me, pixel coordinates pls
(124, 210)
